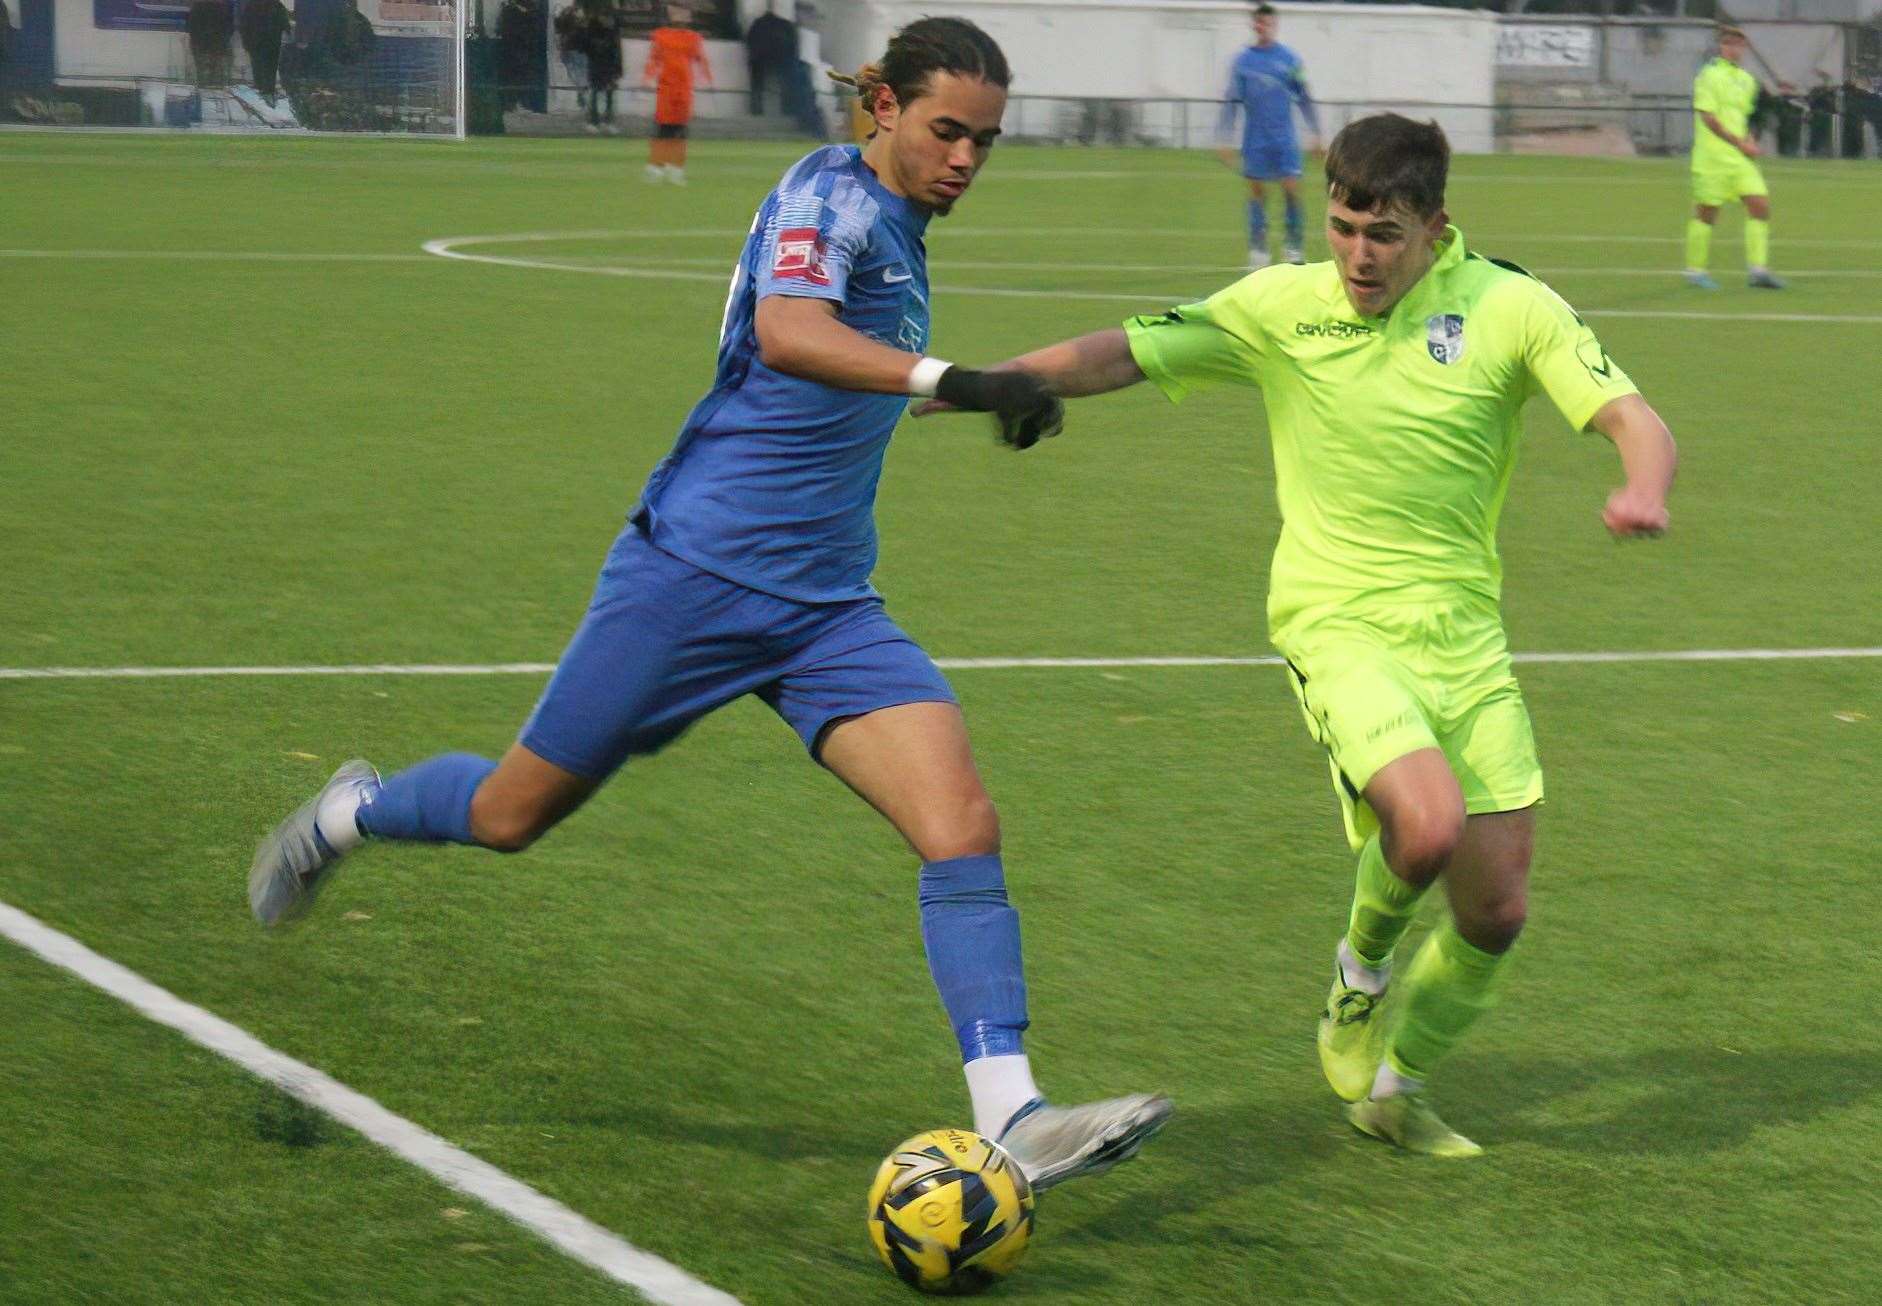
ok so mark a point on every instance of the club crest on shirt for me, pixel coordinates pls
(1444, 337)
(800, 255)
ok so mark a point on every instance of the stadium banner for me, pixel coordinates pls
(140, 15)
(1538, 45)
(412, 17)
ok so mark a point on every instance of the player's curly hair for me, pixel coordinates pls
(923, 48)
(1386, 159)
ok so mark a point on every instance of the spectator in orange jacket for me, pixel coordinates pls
(676, 51)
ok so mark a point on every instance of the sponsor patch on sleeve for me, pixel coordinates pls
(799, 256)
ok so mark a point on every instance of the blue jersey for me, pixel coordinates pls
(1265, 84)
(772, 482)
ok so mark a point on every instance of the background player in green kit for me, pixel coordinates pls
(1723, 96)
(1394, 379)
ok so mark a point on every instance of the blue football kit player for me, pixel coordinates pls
(744, 569)
(1266, 85)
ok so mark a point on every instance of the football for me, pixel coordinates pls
(950, 1212)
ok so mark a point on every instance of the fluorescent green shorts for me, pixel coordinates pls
(1376, 688)
(1722, 183)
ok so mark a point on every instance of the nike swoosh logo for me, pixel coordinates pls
(889, 278)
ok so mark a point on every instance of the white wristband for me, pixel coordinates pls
(925, 376)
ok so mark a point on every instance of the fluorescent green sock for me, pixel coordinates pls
(1757, 243)
(1447, 986)
(1699, 243)
(1383, 906)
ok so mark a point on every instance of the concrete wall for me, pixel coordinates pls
(1357, 55)
(1638, 56)
(81, 51)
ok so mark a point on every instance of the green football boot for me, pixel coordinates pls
(1406, 1120)
(1352, 1038)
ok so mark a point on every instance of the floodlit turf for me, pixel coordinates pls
(698, 1012)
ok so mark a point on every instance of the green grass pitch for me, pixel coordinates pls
(698, 1012)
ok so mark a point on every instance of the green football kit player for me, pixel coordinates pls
(1723, 150)
(1394, 379)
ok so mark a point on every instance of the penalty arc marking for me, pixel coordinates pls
(459, 248)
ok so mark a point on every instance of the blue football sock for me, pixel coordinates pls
(1296, 222)
(429, 802)
(972, 937)
(1257, 224)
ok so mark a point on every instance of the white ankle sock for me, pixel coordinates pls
(334, 818)
(999, 1086)
(1358, 974)
(1389, 1083)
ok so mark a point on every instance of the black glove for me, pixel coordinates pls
(1026, 409)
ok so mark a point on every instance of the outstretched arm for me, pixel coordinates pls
(801, 336)
(1093, 364)
(1088, 365)
(1648, 460)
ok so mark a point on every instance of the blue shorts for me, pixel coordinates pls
(1271, 161)
(664, 643)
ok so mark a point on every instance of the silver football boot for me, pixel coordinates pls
(1056, 1143)
(296, 859)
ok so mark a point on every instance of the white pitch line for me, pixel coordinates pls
(573, 1234)
(947, 664)
(451, 247)
(1224, 269)
(214, 255)
(609, 264)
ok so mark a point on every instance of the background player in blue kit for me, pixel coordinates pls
(744, 569)
(1266, 84)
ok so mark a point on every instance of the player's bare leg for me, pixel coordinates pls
(523, 798)
(456, 797)
(913, 763)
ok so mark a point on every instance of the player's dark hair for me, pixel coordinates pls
(925, 47)
(1265, 11)
(1386, 159)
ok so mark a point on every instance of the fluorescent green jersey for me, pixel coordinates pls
(1394, 437)
(1728, 93)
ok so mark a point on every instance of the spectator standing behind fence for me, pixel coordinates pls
(1822, 102)
(6, 50)
(592, 30)
(209, 31)
(802, 79)
(1788, 109)
(1858, 110)
(1266, 84)
(262, 24)
(771, 51)
(676, 52)
(349, 37)
(606, 64)
(520, 53)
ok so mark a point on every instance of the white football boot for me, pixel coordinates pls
(296, 859)
(1056, 1143)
